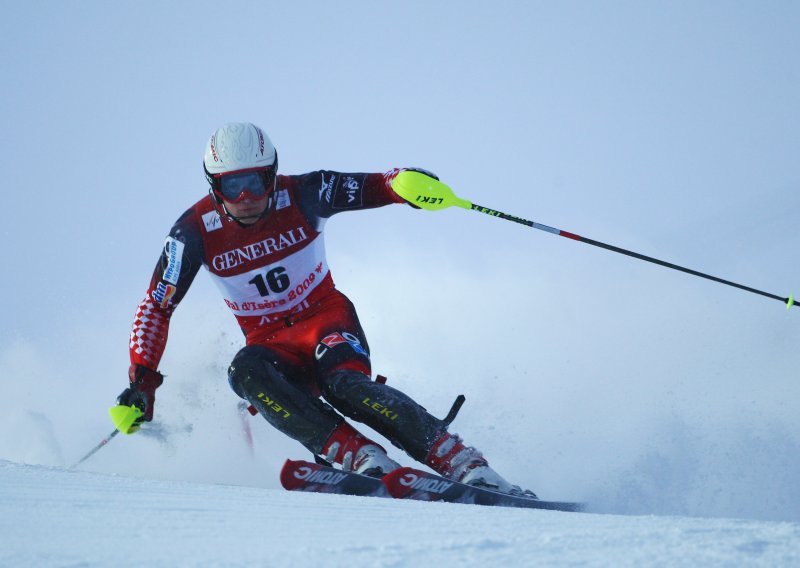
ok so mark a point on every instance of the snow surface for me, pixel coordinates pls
(670, 129)
(56, 517)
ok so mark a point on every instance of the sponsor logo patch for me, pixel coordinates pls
(424, 484)
(173, 249)
(212, 221)
(260, 141)
(326, 188)
(273, 405)
(319, 476)
(282, 200)
(214, 148)
(384, 411)
(334, 339)
(348, 192)
(163, 294)
(238, 256)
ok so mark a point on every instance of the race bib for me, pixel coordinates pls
(275, 287)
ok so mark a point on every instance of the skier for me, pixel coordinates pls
(259, 234)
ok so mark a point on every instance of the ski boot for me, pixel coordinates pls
(452, 459)
(372, 460)
(357, 453)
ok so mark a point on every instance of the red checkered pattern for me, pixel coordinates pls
(149, 333)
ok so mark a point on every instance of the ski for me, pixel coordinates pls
(410, 483)
(404, 483)
(300, 475)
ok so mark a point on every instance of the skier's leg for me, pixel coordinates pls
(254, 376)
(410, 427)
(344, 370)
(386, 410)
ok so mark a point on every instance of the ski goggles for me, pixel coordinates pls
(237, 186)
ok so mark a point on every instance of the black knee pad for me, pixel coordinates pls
(255, 375)
(251, 365)
(339, 384)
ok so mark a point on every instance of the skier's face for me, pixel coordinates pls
(246, 192)
(248, 210)
(253, 183)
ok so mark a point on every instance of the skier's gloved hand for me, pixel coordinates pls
(142, 392)
(418, 170)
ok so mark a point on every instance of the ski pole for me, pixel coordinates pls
(102, 443)
(124, 418)
(432, 195)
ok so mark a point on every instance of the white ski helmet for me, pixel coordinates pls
(238, 146)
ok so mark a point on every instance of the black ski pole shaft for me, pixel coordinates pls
(494, 213)
(94, 450)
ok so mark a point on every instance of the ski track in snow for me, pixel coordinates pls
(55, 517)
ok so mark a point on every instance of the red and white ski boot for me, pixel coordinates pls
(357, 453)
(452, 459)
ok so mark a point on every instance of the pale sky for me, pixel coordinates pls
(671, 129)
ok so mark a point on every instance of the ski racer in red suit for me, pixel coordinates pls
(259, 235)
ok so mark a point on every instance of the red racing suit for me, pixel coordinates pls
(273, 274)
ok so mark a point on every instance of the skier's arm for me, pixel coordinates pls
(325, 193)
(173, 274)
